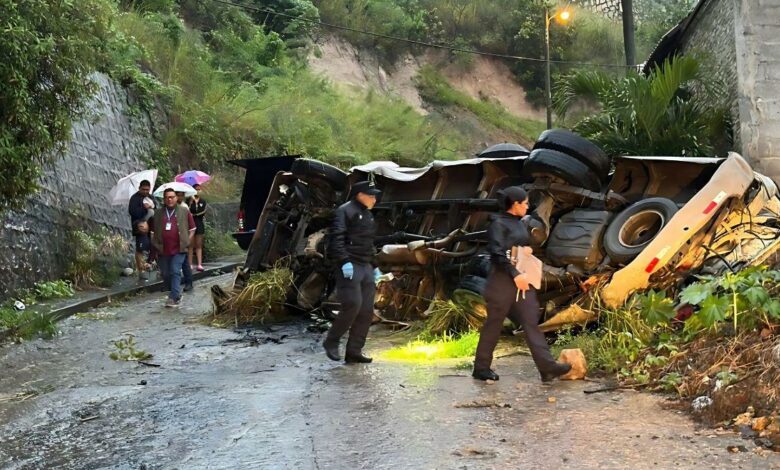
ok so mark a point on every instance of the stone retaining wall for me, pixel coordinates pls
(108, 145)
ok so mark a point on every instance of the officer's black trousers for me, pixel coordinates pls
(356, 297)
(501, 295)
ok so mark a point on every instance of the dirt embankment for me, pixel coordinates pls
(484, 78)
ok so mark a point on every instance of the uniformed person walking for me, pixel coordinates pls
(352, 247)
(507, 230)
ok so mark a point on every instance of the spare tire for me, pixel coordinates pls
(305, 168)
(578, 147)
(551, 162)
(636, 226)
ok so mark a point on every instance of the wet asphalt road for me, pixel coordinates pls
(219, 405)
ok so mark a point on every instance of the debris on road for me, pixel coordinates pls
(483, 404)
(126, 350)
(736, 449)
(470, 452)
(260, 301)
(579, 365)
(700, 403)
(252, 339)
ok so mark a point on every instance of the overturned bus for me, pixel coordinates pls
(616, 225)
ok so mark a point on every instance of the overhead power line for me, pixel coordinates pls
(448, 47)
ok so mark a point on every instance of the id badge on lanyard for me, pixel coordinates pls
(169, 224)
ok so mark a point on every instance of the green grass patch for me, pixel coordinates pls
(435, 88)
(423, 350)
(26, 324)
(218, 244)
(59, 289)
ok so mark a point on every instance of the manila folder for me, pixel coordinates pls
(528, 265)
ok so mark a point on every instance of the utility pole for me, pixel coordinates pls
(628, 31)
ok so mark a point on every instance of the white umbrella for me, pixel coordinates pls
(178, 187)
(127, 186)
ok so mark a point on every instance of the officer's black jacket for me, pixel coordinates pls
(352, 234)
(506, 231)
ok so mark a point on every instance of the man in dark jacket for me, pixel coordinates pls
(138, 214)
(352, 247)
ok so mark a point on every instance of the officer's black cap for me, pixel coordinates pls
(366, 187)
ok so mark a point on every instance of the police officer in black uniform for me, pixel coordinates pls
(501, 294)
(352, 247)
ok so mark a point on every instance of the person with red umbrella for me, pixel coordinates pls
(198, 209)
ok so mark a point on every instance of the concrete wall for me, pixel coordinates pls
(740, 40)
(223, 216)
(105, 147)
(757, 39)
(711, 37)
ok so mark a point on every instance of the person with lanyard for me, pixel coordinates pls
(352, 248)
(186, 267)
(508, 293)
(174, 229)
(198, 211)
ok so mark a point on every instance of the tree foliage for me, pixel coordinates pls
(48, 49)
(658, 114)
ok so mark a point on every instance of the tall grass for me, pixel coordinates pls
(284, 108)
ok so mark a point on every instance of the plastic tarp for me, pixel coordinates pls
(395, 172)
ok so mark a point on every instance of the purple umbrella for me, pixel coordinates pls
(193, 177)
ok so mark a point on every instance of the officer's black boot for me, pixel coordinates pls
(557, 370)
(484, 374)
(357, 358)
(331, 349)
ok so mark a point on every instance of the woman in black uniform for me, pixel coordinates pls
(506, 231)
(198, 210)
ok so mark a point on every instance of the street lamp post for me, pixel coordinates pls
(562, 16)
(547, 80)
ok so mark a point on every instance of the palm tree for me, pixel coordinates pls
(667, 112)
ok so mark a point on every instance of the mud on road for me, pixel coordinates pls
(216, 403)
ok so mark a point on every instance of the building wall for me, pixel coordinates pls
(111, 143)
(740, 42)
(757, 40)
(711, 36)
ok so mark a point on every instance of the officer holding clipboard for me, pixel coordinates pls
(510, 292)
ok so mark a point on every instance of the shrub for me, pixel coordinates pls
(48, 49)
(54, 290)
(26, 324)
(96, 259)
(218, 244)
(667, 112)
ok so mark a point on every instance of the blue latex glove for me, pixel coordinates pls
(348, 270)
(377, 275)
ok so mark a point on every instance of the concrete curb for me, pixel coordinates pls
(81, 305)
